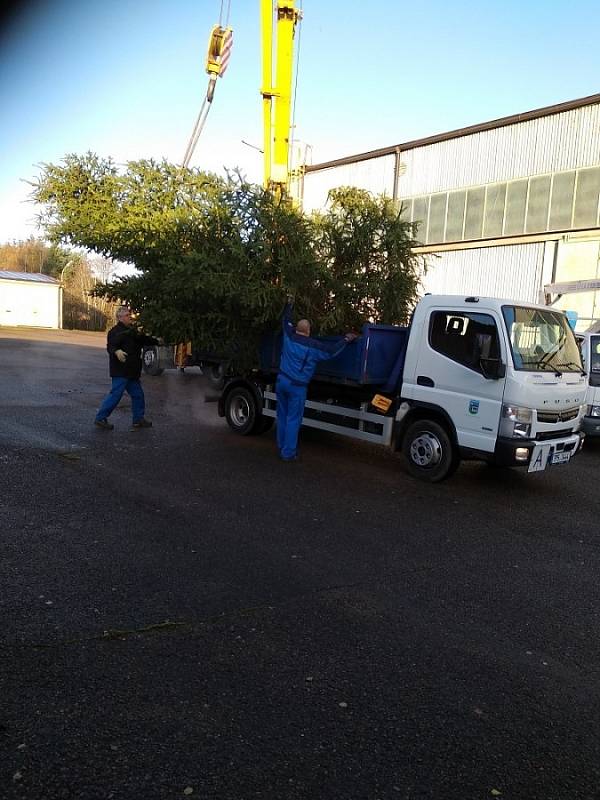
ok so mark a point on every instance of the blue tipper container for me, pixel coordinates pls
(376, 357)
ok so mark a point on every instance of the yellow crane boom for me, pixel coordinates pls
(278, 23)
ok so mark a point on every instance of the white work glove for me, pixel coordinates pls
(350, 337)
(121, 355)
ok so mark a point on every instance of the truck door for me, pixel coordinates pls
(461, 348)
(592, 366)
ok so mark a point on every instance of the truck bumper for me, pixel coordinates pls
(518, 453)
(591, 426)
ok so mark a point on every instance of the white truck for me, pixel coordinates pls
(589, 343)
(469, 378)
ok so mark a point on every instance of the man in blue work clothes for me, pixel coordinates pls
(299, 358)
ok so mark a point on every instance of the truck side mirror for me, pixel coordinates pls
(492, 368)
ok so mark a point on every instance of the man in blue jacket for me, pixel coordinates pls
(299, 358)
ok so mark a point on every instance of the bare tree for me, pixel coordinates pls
(80, 309)
(103, 268)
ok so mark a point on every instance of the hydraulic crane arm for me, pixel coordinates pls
(278, 25)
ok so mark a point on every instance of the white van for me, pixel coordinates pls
(589, 343)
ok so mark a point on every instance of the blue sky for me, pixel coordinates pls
(125, 78)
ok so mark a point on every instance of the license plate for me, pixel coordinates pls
(539, 457)
(544, 456)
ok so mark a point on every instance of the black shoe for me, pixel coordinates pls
(293, 458)
(141, 423)
(104, 424)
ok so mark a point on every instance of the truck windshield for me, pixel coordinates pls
(541, 340)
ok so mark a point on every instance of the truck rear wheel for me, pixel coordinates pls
(242, 412)
(216, 375)
(150, 361)
(429, 451)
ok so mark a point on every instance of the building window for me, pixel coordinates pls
(437, 218)
(420, 213)
(455, 219)
(538, 203)
(552, 202)
(406, 210)
(516, 203)
(474, 215)
(495, 200)
(561, 206)
(586, 198)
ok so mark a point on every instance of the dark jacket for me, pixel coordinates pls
(301, 354)
(131, 341)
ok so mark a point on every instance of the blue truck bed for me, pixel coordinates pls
(375, 358)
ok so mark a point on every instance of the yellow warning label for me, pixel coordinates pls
(380, 402)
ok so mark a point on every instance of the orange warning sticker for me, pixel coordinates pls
(381, 403)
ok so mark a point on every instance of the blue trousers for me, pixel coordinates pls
(290, 408)
(111, 401)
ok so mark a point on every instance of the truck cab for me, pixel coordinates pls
(589, 344)
(506, 377)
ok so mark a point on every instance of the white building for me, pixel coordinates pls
(30, 299)
(508, 206)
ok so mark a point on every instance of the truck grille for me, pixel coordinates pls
(560, 447)
(558, 416)
(547, 435)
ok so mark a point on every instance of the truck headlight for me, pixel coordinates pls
(515, 422)
(592, 411)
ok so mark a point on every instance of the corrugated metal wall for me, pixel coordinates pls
(557, 142)
(376, 175)
(561, 141)
(514, 271)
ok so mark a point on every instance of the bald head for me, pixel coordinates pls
(303, 327)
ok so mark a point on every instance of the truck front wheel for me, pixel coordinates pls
(430, 454)
(242, 412)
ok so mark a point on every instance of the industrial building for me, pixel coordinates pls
(30, 299)
(508, 207)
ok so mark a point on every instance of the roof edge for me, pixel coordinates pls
(28, 277)
(501, 122)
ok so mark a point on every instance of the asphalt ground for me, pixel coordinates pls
(184, 615)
